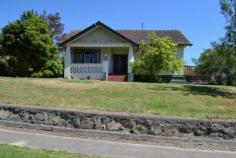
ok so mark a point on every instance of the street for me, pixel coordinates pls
(103, 148)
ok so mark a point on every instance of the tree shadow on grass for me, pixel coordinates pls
(210, 91)
(198, 90)
(168, 88)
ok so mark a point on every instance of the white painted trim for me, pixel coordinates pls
(87, 65)
(130, 61)
(101, 45)
(67, 61)
(106, 68)
(130, 58)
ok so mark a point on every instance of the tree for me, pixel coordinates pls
(195, 61)
(157, 55)
(219, 61)
(28, 49)
(54, 23)
(228, 9)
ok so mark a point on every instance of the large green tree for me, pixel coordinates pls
(216, 62)
(228, 9)
(27, 48)
(220, 61)
(157, 55)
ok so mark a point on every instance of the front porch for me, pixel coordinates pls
(111, 62)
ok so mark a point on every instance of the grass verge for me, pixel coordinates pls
(7, 151)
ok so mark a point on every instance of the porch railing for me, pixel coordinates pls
(83, 71)
(86, 68)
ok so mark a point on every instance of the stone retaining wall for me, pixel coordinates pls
(133, 124)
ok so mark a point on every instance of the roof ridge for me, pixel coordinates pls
(147, 30)
(77, 30)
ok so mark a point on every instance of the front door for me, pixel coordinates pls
(120, 63)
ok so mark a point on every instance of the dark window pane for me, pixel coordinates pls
(87, 56)
(95, 56)
(77, 56)
(80, 56)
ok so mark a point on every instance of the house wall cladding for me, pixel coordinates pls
(149, 125)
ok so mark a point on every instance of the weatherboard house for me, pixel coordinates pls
(102, 53)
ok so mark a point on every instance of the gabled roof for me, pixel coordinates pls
(133, 36)
(141, 35)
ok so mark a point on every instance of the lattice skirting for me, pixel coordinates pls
(83, 72)
(86, 70)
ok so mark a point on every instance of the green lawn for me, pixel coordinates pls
(7, 151)
(168, 99)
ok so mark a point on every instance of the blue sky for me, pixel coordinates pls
(200, 20)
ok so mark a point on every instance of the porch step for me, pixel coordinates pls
(118, 78)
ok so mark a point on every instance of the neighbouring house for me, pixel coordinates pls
(100, 52)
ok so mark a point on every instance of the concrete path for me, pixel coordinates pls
(103, 148)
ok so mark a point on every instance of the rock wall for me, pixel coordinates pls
(133, 124)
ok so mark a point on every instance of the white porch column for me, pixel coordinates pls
(105, 65)
(67, 61)
(130, 61)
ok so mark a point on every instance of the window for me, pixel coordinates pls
(80, 56)
(95, 56)
(85, 55)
